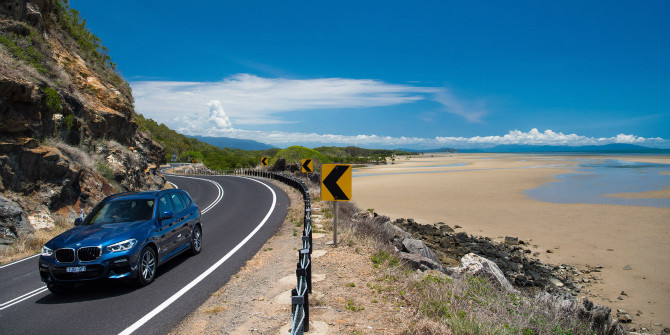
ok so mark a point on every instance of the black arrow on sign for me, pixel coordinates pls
(305, 165)
(264, 161)
(331, 182)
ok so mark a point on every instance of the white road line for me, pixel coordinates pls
(19, 261)
(173, 185)
(218, 187)
(23, 297)
(211, 269)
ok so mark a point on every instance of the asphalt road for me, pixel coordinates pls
(239, 215)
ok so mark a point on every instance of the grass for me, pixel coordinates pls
(382, 257)
(350, 305)
(214, 310)
(27, 48)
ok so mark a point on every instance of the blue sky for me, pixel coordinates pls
(397, 73)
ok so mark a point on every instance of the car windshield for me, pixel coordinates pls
(121, 210)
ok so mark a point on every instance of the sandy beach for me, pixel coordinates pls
(485, 195)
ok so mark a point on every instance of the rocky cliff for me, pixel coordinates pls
(67, 131)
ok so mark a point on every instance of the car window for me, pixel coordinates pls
(142, 210)
(121, 210)
(177, 202)
(185, 197)
(164, 204)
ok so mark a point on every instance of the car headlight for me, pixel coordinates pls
(46, 251)
(122, 246)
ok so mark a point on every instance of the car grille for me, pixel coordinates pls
(88, 254)
(65, 255)
(92, 272)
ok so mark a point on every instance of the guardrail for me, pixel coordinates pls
(300, 294)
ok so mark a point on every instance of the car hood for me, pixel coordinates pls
(100, 234)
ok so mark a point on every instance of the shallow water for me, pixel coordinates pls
(595, 178)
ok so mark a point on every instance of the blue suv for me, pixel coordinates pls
(127, 235)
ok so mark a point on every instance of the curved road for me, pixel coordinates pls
(239, 215)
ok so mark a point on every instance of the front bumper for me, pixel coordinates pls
(123, 265)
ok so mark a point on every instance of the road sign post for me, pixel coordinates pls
(335, 186)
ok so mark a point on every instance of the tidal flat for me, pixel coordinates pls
(611, 211)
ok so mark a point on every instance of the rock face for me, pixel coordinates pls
(67, 136)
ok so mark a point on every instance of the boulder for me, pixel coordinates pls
(13, 221)
(444, 228)
(419, 248)
(420, 262)
(446, 243)
(475, 265)
(396, 231)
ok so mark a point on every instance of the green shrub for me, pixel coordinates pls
(105, 171)
(69, 122)
(53, 100)
(26, 48)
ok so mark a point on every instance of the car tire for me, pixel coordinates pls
(147, 265)
(60, 289)
(196, 240)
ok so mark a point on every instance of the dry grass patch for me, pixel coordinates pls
(214, 310)
(26, 246)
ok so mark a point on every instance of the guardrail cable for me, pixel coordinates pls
(300, 294)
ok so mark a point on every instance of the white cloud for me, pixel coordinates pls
(532, 137)
(253, 100)
(218, 116)
(470, 111)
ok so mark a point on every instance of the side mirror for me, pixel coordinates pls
(78, 221)
(166, 215)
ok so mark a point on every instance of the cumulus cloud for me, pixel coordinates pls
(532, 137)
(217, 116)
(253, 100)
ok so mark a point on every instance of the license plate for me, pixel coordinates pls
(74, 269)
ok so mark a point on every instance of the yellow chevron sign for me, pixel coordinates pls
(336, 182)
(307, 166)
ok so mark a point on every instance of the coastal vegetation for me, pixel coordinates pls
(181, 148)
(430, 302)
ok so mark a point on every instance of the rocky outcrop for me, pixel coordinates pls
(67, 136)
(504, 264)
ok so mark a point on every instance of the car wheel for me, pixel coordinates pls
(196, 240)
(60, 289)
(147, 266)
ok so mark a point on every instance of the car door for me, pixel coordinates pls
(167, 230)
(182, 229)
